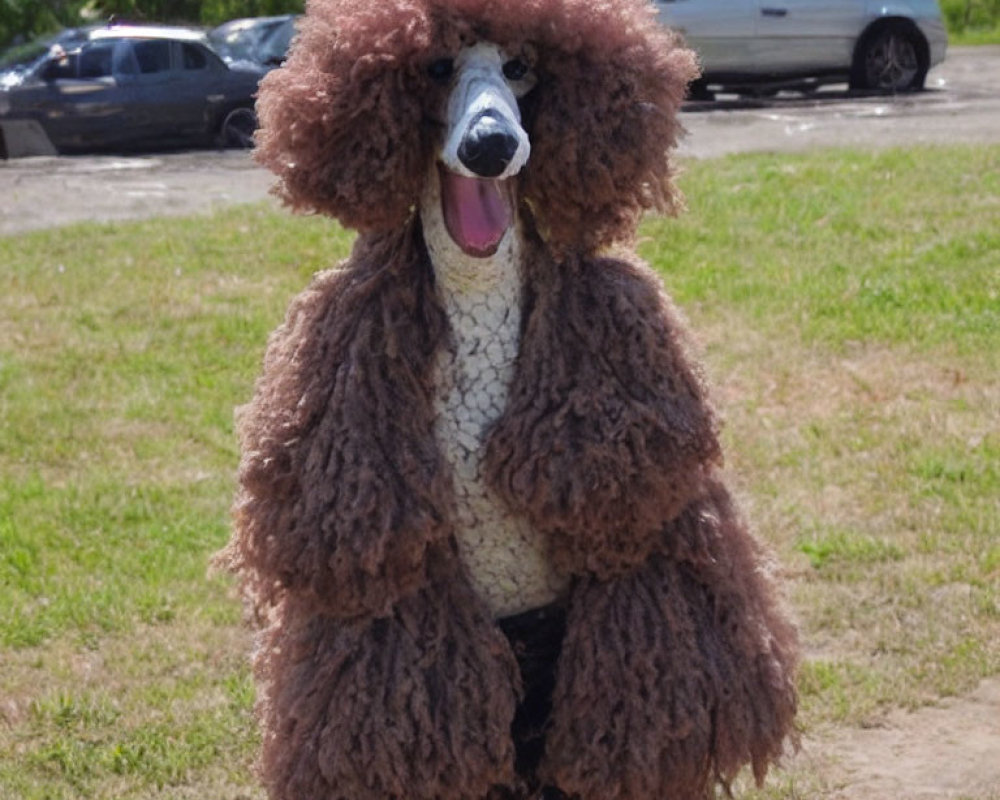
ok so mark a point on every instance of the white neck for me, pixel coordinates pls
(505, 558)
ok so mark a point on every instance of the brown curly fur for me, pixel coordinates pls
(382, 675)
(414, 704)
(677, 673)
(607, 432)
(341, 494)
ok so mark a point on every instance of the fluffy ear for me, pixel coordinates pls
(603, 118)
(342, 120)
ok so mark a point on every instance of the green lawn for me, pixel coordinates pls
(972, 21)
(850, 308)
(848, 305)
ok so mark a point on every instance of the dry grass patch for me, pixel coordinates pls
(133, 717)
(876, 475)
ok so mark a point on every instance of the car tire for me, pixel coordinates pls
(891, 57)
(238, 128)
(698, 91)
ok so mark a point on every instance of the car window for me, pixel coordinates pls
(59, 68)
(122, 62)
(95, 60)
(193, 57)
(153, 56)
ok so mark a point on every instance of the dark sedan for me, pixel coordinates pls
(129, 88)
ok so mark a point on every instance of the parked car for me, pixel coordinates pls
(129, 88)
(261, 40)
(274, 45)
(761, 45)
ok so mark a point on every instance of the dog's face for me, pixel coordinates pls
(484, 137)
(483, 144)
(561, 109)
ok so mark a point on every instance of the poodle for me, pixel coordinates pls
(481, 515)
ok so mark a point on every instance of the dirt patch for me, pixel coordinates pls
(950, 751)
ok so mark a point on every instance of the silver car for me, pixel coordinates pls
(756, 45)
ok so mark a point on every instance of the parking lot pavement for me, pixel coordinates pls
(961, 104)
(45, 192)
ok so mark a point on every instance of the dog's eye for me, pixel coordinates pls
(441, 70)
(515, 69)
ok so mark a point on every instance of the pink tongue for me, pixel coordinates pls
(475, 211)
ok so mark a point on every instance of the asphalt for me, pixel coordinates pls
(961, 104)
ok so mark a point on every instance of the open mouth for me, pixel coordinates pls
(477, 211)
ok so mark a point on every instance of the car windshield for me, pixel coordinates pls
(29, 53)
(22, 55)
(240, 40)
(274, 46)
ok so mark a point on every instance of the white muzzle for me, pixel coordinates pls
(484, 145)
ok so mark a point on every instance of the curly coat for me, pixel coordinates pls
(382, 674)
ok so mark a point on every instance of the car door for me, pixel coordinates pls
(721, 31)
(178, 86)
(151, 108)
(807, 35)
(80, 104)
(199, 89)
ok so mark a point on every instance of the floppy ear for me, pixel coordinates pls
(341, 121)
(602, 120)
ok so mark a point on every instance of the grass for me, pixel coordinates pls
(118, 376)
(972, 22)
(849, 309)
(851, 306)
(124, 350)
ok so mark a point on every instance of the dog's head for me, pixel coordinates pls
(574, 102)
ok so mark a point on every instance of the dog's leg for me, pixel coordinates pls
(678, 673)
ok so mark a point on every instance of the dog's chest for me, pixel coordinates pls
(504, 555)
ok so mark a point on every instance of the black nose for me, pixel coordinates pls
(488, 146)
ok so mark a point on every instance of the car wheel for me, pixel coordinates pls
(891, 59)
(698, 91)
(238, 128)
